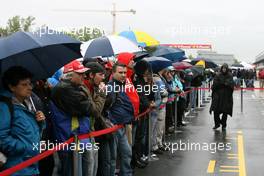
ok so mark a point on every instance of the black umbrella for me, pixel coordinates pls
(198, 75)
(208, 63)
(158, 63)
(140, 55)
(237, 65)
(173, 54)
(42, 53)
(197, 70)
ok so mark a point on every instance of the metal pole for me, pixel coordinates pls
(164, 136)
(241, 99)
(149, 136)
(75, 157)
(195, 98)
(175, 115)
(192, 101)
(199, 98)
(202, 92)
(114, 18)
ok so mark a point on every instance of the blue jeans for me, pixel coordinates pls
(91, 160)
(66, 159)
(154, 126)
(87, 163)
(193, 98)
(108, 155)
(125, 151)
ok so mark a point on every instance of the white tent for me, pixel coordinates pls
(247, 65)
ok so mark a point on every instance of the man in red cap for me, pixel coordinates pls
(70, 112)
(76, 70)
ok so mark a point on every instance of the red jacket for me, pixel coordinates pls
(131, 92)
(261, 74)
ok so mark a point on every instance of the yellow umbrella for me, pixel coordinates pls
(143, 39)
(201, 63)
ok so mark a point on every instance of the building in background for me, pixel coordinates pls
(217, 58)
(259, 62)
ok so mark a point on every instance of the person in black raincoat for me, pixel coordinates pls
(222, 96)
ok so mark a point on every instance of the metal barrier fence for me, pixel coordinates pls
(199, 99)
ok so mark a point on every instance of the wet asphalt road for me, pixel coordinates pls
(240, 150)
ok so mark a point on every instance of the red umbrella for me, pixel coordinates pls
(181, 65)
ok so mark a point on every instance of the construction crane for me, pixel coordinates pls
(113, 12)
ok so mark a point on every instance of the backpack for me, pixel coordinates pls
(8, 102)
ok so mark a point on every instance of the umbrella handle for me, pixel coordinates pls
(33, 105)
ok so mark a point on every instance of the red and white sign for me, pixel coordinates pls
(189, 46)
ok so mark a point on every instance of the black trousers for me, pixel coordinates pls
(180, 109)
(219, 121)
(140, 143)
(169, 116)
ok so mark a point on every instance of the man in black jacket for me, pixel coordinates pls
(70, 94)
(140, 125)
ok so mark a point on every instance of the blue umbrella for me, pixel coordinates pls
(158, 63)
(173, 54)
(42, 53)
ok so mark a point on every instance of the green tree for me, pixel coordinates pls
(85, 33)
(27, 23)
(190, 57)
(17, 23)
(236, 61)
(3, 32)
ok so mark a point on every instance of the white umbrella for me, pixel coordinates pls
(187, 60)
(108, 46)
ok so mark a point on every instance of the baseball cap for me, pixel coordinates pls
(75, 66)
(95, 67)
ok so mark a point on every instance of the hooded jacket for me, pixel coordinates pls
(125, 58)
(18, 136)
(222, 92)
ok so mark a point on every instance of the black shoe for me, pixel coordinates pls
(215, 127)
(157, 152)
(223, 128)
(162, 148)
(144, 161)
(140, 164)
(181, 124)
(169, 131)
